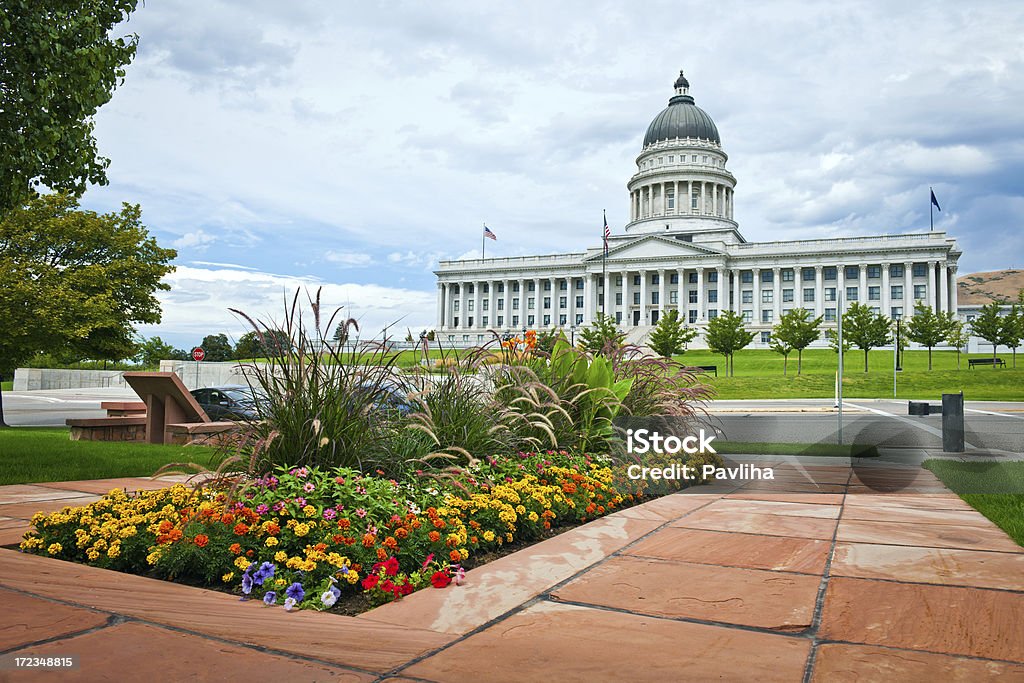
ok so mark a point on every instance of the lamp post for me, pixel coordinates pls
(572, 335)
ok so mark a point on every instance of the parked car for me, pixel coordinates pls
(230, 402)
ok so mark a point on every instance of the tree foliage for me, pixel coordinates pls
(928, 328)
(726, 335)
(58, 64)
(259, 344)
(217, 348)
(958, 337)
(602, 335)
(797, 329)
(865, 329)
(670, 336)
(153, 350)
(990, 326)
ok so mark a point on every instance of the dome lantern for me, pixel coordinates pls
(682, 119)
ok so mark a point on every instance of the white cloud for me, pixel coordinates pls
(348, 258)
(197, 238)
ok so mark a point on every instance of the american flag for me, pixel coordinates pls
(607, 232)
(490, 235)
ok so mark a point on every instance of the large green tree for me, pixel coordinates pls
(73, 283)
(797, 330)
(726, 335)
(865, 329)
(670, 336)
(59, 62)
(990, 326)
(262, 344)
(928, 328)
(601, 335)
(217, 348)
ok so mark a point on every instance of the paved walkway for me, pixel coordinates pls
(784, 580)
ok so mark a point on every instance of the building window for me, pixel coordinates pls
(515, 286)
(767, 276)
(852, 272)
(655, 279)
(830, 272)
(787, 274)
(712, 296)
(471, 289)
(671, 159)
(501, 288)
(920, 269)
(874, 293)
(809, 295)
(692, 296)
(530, 303)
(830, 294)
(618, 298)
(748, 296)
(636, 298)
(696, 196)
(529, 321)
(483, 321)
(501, 304)
(531, 286)
(485, 304)
(580, 285)
(515, 304)
(874, 271)
(896, 270)
(547, 285)
(654, 298)
(561, 320)
(579, 302)
(830, 315)
(547, 320)
(693, 317)
(470, 321)
(851, 294)
(712, 313)
(455, 305)
(767, 296)
(636, 280)
(562, 286)
(501, 321)
(693, 278)
(747, 315)
(766, 337)
(896, 291)
(876, 310)
(713, 276)
(673, 297)
(456, 321)
(807, 274)
(670, 199)
(747, 276)
(673, 279)
(766, 316)
(920, 291)
(563, 301)
(897, 312)
(470, 304)
(547, 302)
(787, 295)
(515, 321)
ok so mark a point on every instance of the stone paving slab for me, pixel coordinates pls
(751, 551)
(27, 493)
(837, 663)
(568, 643)
(885, 513)
(141, 652)
(29, 620)
(976, 568)
(755, 523)
(775, 507)
(26, 510)
(809, 498)
(929, 536)
(942, 619)
(749, 597)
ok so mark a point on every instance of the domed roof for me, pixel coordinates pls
(681, 119)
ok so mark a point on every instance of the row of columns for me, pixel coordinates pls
(939, 282)
(715, 199)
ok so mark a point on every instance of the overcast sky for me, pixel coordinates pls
(354, 144)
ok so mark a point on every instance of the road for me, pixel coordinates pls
(53, 407)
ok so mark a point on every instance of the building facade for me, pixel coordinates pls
(682, 250)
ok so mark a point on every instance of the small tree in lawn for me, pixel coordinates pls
(1013, 330)
(783, 349)
(958, 336)
(989, 326)
(602, 334)
(797, 330)
(727, 335)
(670, 336)
(865, 329)
(928, 328)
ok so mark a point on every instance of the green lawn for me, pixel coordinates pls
(36, 454)
(759, 375)
(7, 386)
(995, 489)
(809, 449)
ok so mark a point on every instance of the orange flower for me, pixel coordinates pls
(568, 487)
(401, 532)
(338, 538)
(369, 540)
(390, 542)
(434, 536)
(201, 540)
(227, 518)
(382, 554)
(439, 523)
(165, 526)
(273, 529)
(344, 523)
(241, 529)
(235, 548)
(416, 524)
(320, 547)
(455, 556)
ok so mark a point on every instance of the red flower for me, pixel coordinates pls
(440, 579)
(201, 540)
(370, 581)
(241, 529)
(388, 586)
(391, 566)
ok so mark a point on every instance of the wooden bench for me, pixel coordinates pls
(708, 368)
(971, 362)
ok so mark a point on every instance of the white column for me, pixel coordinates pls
(700, 295)
(679, 208)
(954, 293)
(908, 290)
(609, 303)
(737, 295)
(643, 298)
(714, 199)
(777, 294)
(662, 292)
(492, 304)
(681, 293)
(626, 301)
(442, 314)
(702, 204)
(723, 290)
(478, 297)
(819, 292)
(464, 302)
(886, 292)
(862, 285)
(588, 298)
(943, 287)
(930, 296)
(507, 296)
(757, 296)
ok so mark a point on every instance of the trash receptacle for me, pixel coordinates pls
(953, 423)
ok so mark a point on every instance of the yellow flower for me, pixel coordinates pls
(93, 555)
(301, 529)
(242, 562)
(489, 536)
(227, 577)
(271, 541)
(54, 548)
(352, 577)
(152, 558)
(280, 556)
(114, 550)
(533, 517)
(309, 511)
(464, 552)
(280, 583)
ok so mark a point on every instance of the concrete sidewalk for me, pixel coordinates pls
(782, 580)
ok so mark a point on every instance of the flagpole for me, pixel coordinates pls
(483, 242)
(931, 210)
(604, 262)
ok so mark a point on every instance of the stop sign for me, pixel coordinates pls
(198, 353)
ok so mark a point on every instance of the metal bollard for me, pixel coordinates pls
(953, 423)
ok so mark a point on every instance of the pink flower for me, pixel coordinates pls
(428, 560)
(339, 480)
(460, 575)
(301, 473)
(309, 487)
(360, 513)
(329, 514)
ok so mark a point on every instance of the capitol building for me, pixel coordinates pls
(683, 250)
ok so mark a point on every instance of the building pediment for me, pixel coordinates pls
(653, 246)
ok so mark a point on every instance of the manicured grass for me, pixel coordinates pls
(759, 375)
(37, 454)
(7, 386)
(995, 489)
(809, 449)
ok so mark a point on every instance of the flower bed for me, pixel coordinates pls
(305, 538)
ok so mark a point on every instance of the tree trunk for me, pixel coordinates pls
(799, 361)
(993, 355)
(785, 364)
(865, 360)
(929, 359)
(958, 358)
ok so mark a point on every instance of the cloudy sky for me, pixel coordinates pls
(352, 145)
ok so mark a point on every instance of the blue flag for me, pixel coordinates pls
(934, 200)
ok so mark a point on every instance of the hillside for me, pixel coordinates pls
(996, 285)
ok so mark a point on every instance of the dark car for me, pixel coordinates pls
(232, 402)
